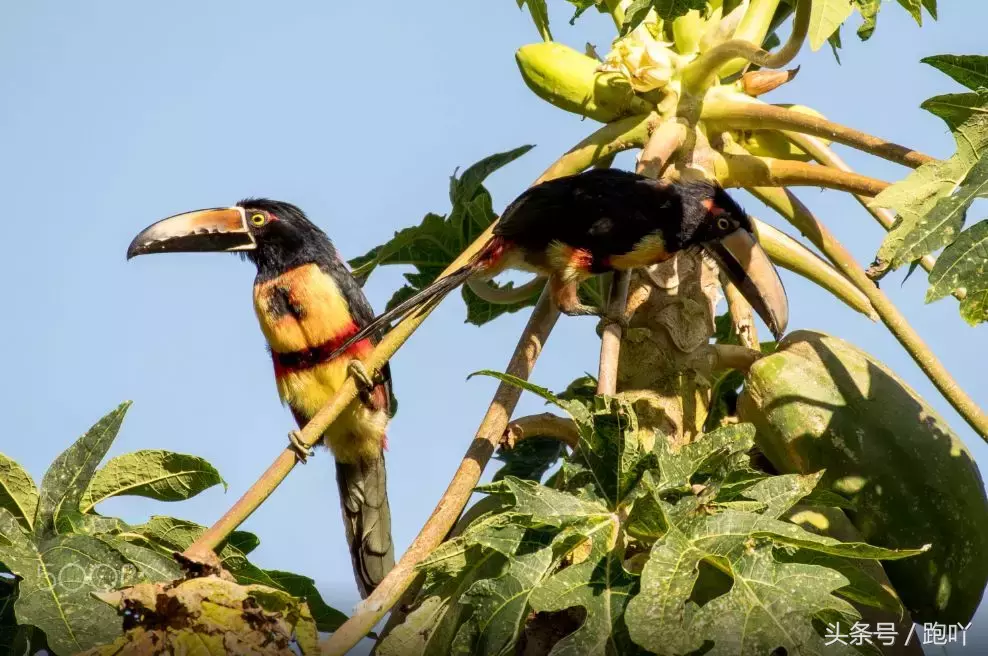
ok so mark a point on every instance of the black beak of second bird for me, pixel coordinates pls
(748, 267)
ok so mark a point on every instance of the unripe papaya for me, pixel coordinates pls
(570, 80)
(820, 403)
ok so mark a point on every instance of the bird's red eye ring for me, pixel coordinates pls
(258, 219)
(723, 224)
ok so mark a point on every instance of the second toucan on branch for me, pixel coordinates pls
(602, 220)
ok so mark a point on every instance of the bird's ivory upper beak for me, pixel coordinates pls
(748, 267)
(218, 229)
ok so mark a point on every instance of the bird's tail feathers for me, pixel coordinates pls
(367, 520)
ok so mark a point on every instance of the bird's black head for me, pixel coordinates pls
(284, 236)
(709, 213)
(711, 219)
(274, 235)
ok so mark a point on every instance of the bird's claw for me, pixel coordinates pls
(298, 445)
(606, 320)
(363, 380)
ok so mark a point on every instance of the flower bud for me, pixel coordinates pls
(756, 83)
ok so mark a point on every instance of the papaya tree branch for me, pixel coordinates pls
(757, 116)
(750, 171)
(793, 210)
(742, 318)
(491, 293)
(823, 154)
(793, 256)
(610, 339)
(608, 140)
(702, 72)
(444, 516)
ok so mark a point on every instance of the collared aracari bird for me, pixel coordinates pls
(308, 304)
(601, 220)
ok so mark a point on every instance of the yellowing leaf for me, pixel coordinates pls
(18, 493)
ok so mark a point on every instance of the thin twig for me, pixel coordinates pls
(750, 171)
(758, 116)
(792, 209)
(702, 72)
(444, 516)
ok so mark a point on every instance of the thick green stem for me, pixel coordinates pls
(792, 209)
(819, 151)
(750, 171)
(744, 47)
(793, 256)
(728, 115)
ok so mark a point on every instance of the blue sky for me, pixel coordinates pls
(117, 114)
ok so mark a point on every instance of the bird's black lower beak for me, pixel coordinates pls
(220, 229)
(748, 267)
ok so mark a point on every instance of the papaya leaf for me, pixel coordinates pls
(327, 619)
(665, 9)
(448, 572)
(540, 15)
(169, 534)
(869, 13)
(825, 17)
(156, 474)
(941, 225)
(917, 198)
(18, 493)
(530, 459)
(433, 244)
(964, 265)
(599, 585)
(969, 70)
(69, 475)
(57, 575)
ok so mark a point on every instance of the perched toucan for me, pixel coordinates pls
(308, 304)
(573, 227)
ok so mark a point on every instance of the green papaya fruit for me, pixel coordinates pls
(570, 80)
(820, 403)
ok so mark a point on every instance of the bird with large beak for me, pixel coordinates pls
(308, 304)
(573, 227)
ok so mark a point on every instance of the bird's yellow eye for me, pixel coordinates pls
(258, 219)
(723, 224)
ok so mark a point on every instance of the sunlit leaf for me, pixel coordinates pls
(156, 474)
(18, 493)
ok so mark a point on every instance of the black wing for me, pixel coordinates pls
(606, 211)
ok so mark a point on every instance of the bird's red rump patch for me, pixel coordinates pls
(581, 259)
(286, 363)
